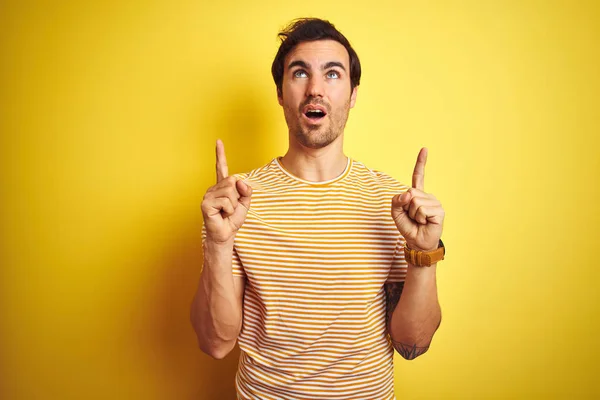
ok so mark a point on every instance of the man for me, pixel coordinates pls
(304, 259)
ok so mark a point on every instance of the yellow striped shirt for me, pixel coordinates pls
(315, 257)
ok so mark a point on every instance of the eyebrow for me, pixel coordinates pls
(330, 64)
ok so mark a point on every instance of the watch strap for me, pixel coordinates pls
(424, 258)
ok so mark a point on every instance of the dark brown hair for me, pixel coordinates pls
(306, 30)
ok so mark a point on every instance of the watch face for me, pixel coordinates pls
(442, 245)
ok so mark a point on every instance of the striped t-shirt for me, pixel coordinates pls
(315, 256)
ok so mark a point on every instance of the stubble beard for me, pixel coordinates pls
(318, 136)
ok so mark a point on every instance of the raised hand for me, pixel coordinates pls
(225, 205)
(419, 216)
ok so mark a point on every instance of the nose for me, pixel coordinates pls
(315, 86)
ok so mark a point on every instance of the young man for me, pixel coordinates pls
(315, 264)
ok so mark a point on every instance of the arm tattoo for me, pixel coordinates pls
(392, 296)
(407, 351)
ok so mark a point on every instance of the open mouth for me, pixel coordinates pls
(315, 113)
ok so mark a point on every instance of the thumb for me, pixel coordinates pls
(245, 191)
(401, 200)
(400, 203)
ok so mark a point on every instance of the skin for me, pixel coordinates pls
(418, 215)
(216, 311)
(413, 311)
(316, 72)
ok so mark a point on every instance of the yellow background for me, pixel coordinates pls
(109, 112)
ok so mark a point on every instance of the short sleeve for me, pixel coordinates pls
(236, 263)
(399, 266)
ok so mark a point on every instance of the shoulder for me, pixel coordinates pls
(257, 174)
(375, 177)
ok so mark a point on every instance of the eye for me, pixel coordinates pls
(333, 75)
(300, 73)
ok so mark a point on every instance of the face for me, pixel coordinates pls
(316, 95)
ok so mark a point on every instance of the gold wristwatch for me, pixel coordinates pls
(424, 258)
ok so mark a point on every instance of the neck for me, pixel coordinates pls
(316, 165)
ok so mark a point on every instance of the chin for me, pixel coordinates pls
(314, 140)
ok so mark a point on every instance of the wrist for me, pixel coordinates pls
(217, 252)
(424, 249)
(417, 248)
(217, 246)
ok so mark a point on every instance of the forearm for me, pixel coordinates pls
(216, 313)
(417, 314)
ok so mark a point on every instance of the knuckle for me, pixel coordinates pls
(229, 201)
(232, 192)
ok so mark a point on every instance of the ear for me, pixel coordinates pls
(353, 96)
(280, 97)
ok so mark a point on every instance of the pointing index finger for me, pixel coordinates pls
(418, 178)
(222, 170)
